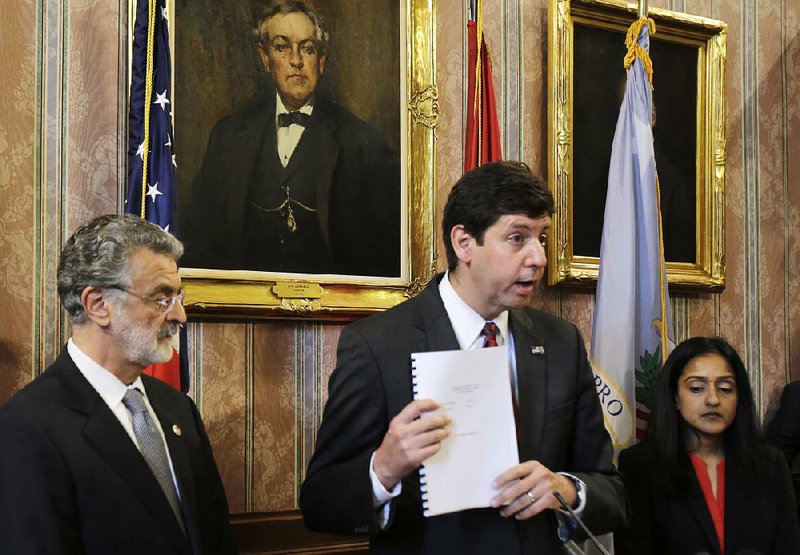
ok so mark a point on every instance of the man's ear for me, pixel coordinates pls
(264, 57)
(462, 241)
(96, 305)
(322, 61)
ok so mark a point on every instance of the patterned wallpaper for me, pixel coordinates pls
(261, 384)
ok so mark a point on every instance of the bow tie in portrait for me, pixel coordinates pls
(285, 120)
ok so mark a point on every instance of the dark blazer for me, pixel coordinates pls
(560, 420)
(73, 482)
(784, 430)
(760, 514)
(357, 189)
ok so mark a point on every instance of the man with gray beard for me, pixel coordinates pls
(96, 458)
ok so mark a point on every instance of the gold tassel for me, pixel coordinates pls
(636, 51)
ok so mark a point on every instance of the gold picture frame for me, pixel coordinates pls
(574, 24)
(222, 293)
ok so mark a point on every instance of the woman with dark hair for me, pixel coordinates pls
(703, 481)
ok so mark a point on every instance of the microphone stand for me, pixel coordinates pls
(572, 513)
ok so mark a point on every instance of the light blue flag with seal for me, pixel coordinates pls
(632, 320)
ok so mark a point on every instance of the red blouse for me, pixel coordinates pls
(716, 506)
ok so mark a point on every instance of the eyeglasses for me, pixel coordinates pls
(163, 304)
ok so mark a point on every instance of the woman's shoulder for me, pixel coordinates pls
(767, 456)
(774, 460)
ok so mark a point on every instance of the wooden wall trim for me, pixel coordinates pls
(283, 532)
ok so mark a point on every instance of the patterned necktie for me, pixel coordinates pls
(489, 333)
(151, 445)
(288, 118)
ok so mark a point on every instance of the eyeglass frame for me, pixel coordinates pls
(163, 305)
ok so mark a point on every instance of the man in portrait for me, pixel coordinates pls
(294, 182)
(96, 457)
(364, 476)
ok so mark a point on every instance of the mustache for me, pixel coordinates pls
(168, 330)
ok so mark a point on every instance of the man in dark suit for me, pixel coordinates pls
(363, 477)
(294, 182)
(784, 430)
(96, 458)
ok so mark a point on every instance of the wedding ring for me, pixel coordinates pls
(533, 499)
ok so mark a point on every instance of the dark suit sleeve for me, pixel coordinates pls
(37, 501)
(787, 529)
(784, 430)
(336, 495)
(591, 455)
(637, 538)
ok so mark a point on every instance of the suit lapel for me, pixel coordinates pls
(434, 327)
(531, 359)
(324, 126)
(181, 463)
(104, 432)
(699, 510)
(736, 503)
(247, 144)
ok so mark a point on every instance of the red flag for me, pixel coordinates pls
(170, 371)
(482, 142)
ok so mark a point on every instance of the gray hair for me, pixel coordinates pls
(97, 255)
(278, 7)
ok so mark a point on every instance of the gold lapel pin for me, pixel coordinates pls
(176, 429)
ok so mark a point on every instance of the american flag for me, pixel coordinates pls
(152, 187)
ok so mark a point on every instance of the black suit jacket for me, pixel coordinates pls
(73, 482)
(784, 430)
(760, 513)
(357, 189)
(560, 420)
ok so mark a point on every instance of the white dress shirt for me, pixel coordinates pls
(289, 136)
(112, 390)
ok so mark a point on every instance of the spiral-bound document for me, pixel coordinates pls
(474, 389)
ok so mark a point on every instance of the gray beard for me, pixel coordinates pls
(138, 342)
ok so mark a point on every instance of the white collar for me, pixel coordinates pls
(467, 324)
(280, 108)
(107, 385)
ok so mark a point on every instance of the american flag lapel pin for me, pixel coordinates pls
(537, 349)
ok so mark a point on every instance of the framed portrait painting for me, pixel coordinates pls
(304, 135)
(586, 86)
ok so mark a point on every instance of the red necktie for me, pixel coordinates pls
(489, 333)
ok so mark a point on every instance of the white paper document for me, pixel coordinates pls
(474, 389)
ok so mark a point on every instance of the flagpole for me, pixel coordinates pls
(642, 8)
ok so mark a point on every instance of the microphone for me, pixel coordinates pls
(572, 513)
